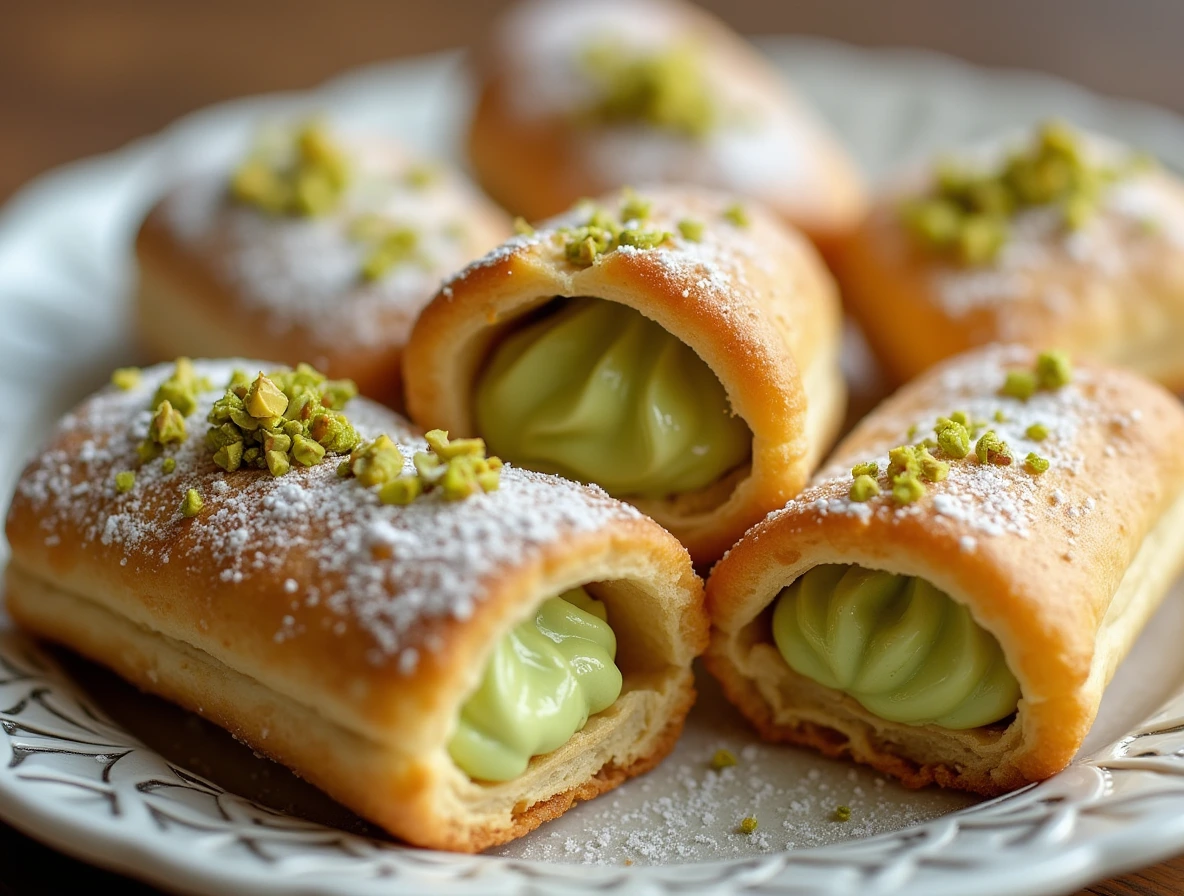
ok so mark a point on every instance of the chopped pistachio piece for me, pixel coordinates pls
(376, 462)
(306, 451)
(308, 175)
(403, 490)
(953, 438)
(870, 468)
(126, 378)
(737, 214)
(907, 488)
(999, 416)
(1019, 384)
(125, 481)
(167, 425)
(181, 388)
(667, 89)
(903, 459)
(1053, 370)
(864, 488)
(192, 503)
(264, 399)
(691, 229)
(842, 813)
(932, 469)
(990, 449)
(446, 448)
(635, 208)
(229, 457)
(1037, 432)
(723, 759)
(1035, 463)
(168, 464)
(748, 825)
(643, 239)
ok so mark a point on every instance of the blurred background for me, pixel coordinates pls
(79, 77)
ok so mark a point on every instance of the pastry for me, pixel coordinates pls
(577, 99)
(673, 345)
(321, 246)
(456, 650)
(1055, 239)
(950, 596)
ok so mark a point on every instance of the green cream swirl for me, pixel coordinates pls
(597, 392)
(905, 650)
(543, 682)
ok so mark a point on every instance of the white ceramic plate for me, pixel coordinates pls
(139, 786)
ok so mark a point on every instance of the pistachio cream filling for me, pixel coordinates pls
(905, 650)
(598, 392)
(541, 685)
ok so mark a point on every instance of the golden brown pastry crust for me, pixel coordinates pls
(341, 636)
(531, 154)
(755, 303)
(1063, 569)
(220, 279)
(1113, 291)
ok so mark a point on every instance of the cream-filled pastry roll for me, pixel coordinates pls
(455, 649)
(673, 345)
(322, 245)
(577, 99)
(1057, 238)
(950, 596)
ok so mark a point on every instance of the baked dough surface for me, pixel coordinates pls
(1064, 569)
(340, 635)
(754, 302)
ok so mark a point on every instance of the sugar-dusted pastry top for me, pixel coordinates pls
(982, 501)
(1048, 271)
(308, 271)
(310, 557)
(659, 91)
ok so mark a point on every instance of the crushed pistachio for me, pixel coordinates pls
(903, 459)
(602, 233)
(305, 176)
(522, 227)
(748, 825)
(168, 464)
(932, 469)
(990, 449)
(967, 213)
(389, 245)
(403, 490)
(374, 463)
(1019, 384)
(666, 89)
(737, 214)
(181, 388)
(634, 207)
(1037, 432)
(1053, 370)
(125, 481)
(907, 488)
(1035, 463)
(999, 416)
(126, 378)
(691, 229)
(864, 488)
(842, 813)
(167, 425)
(191, 504)
(723, 759)
(278, 418)
(870, 468)
(953, 438)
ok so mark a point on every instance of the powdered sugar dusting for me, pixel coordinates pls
(976, 500)
(298, 272)
(388, 571)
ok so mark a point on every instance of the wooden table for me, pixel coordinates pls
(77, 78)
